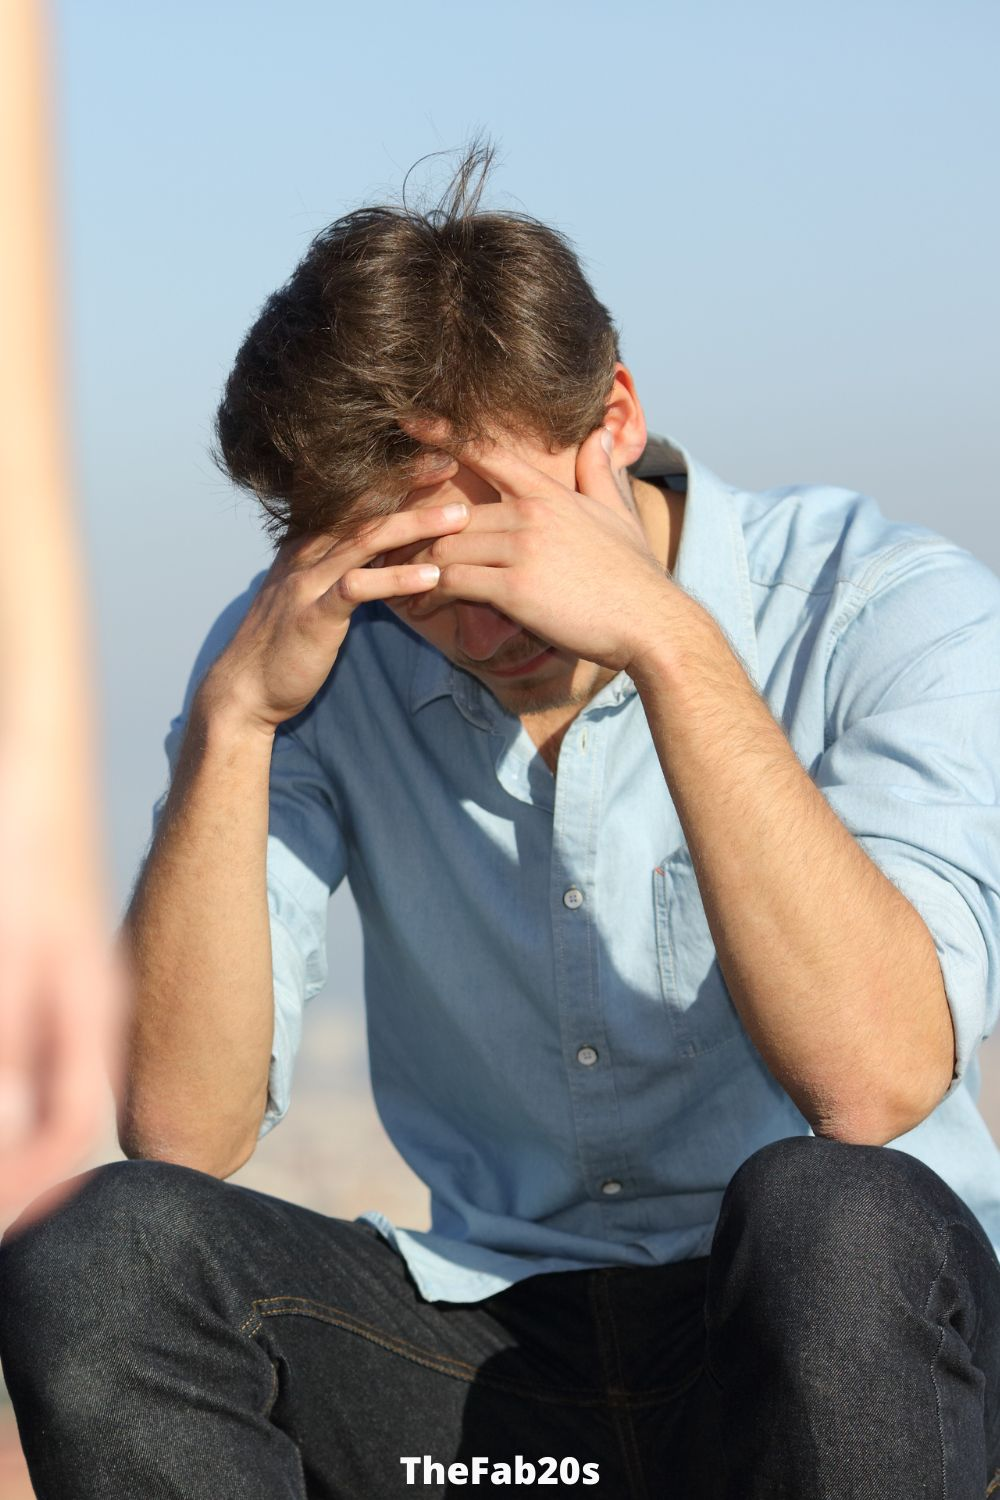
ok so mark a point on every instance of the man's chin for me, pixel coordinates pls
(574, 689)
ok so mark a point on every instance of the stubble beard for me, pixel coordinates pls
(547, 697)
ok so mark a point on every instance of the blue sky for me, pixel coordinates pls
(791, 210)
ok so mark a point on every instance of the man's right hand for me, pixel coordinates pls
(287, 643)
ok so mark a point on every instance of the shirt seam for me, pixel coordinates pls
(336, 804)
(876, 565)
(865, 592)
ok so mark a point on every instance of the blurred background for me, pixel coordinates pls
(791, 211)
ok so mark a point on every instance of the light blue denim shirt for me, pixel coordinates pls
(552, 1046)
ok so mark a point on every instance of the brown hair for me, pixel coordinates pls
(484, 318)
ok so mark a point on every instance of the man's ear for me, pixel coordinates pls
(624, 418)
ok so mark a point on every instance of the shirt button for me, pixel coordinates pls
(611, 1187)
(573, 898)
(587, 1056)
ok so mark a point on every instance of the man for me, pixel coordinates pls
(670, 813)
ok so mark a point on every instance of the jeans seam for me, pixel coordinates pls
(934, 1379)
(289, 1306)
(942, 1226)
(273, 1396)
(168, 1277)
(608, 1345)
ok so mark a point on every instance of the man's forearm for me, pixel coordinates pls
(834, 974)
(198, 935)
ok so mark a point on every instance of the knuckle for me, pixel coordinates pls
(294, 550)
(345, 585)
(298, 587)
(410, 525)
(367, 530)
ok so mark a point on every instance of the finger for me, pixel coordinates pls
(400, 529)
(473, 584)
(499, 517)
(361, 585)
(596, 475)
(431, 469)
(488, 548)
(399, 555)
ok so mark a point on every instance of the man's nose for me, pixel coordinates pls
(482, 630)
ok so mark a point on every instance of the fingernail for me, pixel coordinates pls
(454, 512)
(428, 573)
(607, 441)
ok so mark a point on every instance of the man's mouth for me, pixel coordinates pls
(519, 668)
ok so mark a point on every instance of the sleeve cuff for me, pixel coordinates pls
(289, 969)
(959, 943)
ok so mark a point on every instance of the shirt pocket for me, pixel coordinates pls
(697, 1001)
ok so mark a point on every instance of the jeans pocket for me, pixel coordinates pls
(698, 1004)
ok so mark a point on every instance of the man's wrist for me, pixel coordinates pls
(221, 713)
(674, 630)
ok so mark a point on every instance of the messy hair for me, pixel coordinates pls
(483, 318)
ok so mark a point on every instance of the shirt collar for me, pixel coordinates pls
(711, 565)
(433, 676)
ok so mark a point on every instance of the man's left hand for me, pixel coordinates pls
(573, 567)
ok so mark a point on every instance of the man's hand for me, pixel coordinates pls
(288, 640)
(573, 567)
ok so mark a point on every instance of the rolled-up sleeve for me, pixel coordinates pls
(912, 758)
(306, 861)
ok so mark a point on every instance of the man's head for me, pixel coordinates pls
(483, 318)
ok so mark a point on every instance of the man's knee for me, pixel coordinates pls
(816, 1203)
(84, 1252)
(831, 1257)
(84, 1288)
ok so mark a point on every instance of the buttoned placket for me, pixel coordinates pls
(574, 896)
(574, 799)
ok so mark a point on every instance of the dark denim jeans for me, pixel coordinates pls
(165, 1334)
